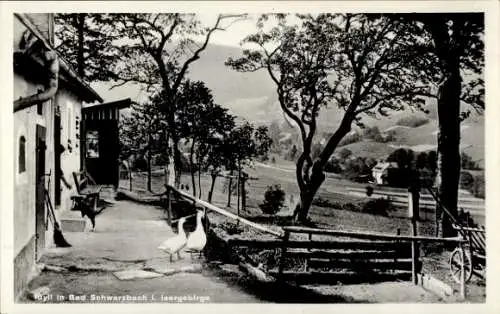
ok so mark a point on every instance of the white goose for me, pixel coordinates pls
(174, 245)
(197, 239)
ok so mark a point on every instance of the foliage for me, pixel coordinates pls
(345, 153)
(466, 180)
(333, 165)
(379, 206)
(154, 50)
(89, 54)
(412, 121)
(274, 197)
(351, 138)
(360, 63)
(479, 188)
(468, 163)
(354, 168)
(244, 143)
(374, 134)
(405, 158)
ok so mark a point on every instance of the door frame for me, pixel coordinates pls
(40, 210)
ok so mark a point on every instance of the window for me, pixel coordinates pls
(22, 155)
(92, 141)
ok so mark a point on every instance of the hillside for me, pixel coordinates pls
(252, 96)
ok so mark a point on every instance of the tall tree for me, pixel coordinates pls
(155, 51)
(455, 62)
(244, 144)
(85, 43)
(459, 47)
(141, 135)
(360, 63)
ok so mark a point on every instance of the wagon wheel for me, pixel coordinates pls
(456, 265)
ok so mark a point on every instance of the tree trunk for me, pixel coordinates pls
(212, 185)
(448, 167)
(229, 190)
(149, 173)
(192, 167)
(177, 161)
(448, 171)
(310, 187)
(238, 188)
(199, 183)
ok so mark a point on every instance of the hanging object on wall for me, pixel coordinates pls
(70, 149)
(92, 142)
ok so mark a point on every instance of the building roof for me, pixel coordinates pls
(82, 89)
(118, 104)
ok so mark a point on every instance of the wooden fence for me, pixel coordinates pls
(374, 256)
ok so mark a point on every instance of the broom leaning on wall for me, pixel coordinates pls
(59, 239)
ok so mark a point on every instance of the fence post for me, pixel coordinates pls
(413, 213)
(130, 178)
(169, 207)
(283, 253)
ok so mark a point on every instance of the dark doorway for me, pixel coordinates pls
(40, 223)
(57, 159)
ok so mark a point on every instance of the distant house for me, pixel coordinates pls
(383, 171)
(49, 98)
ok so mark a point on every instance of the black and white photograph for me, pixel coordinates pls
(276, 154)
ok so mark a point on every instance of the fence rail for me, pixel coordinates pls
(223, 212)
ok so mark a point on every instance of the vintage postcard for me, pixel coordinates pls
(163, 155)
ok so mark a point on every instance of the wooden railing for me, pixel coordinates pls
(211, 207)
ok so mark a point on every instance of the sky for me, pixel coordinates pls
(235, 32)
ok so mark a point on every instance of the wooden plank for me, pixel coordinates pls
(362, 265)
(226, 213)
(370, 236)
(345, 245)
(344, 277)
(353, 255)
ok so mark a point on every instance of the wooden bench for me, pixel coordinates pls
(87, 189)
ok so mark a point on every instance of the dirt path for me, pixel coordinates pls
(126, 238)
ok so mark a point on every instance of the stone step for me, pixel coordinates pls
(72, 221)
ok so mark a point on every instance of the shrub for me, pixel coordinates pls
(478, 187)
(466, 180)
(333, 165)
(412, 121)
(231, 228)
(273, 200)
(349, 139)
(379, 206)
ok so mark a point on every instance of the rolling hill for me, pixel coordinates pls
(252, 96)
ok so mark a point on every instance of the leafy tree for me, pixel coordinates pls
(361, 63)
(142, 136)
(84, 42)
(456, 64)
(403, 157)
(467, 162)
(243, 145)
(155, 51)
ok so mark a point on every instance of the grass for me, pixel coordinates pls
(322, 217)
